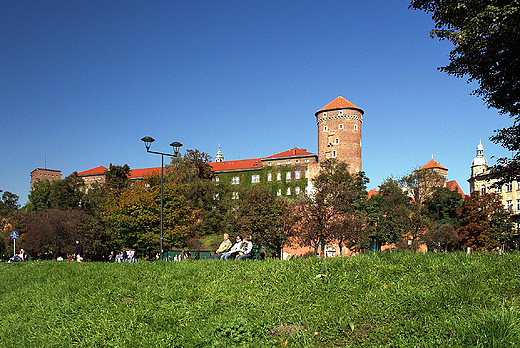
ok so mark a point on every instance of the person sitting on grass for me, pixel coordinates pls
(246, 248)
(223, 248)
(233, 252)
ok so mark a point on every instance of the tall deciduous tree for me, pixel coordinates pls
(332, 212)
(396, 210)
(484, 222)
(116, 177)
(212, 199)
(262, 216)
(55, 230)
(133, 216)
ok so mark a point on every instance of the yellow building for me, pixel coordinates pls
(481, 181)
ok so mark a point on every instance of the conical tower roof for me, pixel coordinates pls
(339, 103)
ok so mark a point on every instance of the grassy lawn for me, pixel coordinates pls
(395, 300)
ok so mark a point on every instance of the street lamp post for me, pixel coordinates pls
(438, 234)
(176, 146)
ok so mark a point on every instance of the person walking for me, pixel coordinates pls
(79, 251)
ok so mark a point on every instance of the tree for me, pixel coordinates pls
(421, 183)
(262, 216)
(332, 211)
(395, 211)
(486, 36)
(212, 199)
(67, 193)
(39, 196)
(132, 216)
(54, 231)
(484, 222)
(116, 177)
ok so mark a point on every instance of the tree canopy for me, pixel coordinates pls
(486, 35)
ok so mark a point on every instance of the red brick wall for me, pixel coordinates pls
(342, 134)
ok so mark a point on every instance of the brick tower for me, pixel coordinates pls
(339, 132)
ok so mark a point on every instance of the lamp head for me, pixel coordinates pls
(176, 147)
(148, 142)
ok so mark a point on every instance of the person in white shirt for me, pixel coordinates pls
(235, 249)
(246, 249)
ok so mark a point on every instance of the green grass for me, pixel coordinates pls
(393, 300)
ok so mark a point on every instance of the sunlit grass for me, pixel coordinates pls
(401, 299)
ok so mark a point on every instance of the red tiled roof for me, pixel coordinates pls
(453, 185)
(296, 152)
(252, 163)
(93, 171)
(433, 164)
(139, 173)
(372, 193)
(339, 103)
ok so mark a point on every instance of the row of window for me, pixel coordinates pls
(509, 205)
(279, 163)
(340, 112)
(341, 126)
(509, 187)
(297, 191)
(255, 178)
(92, 178)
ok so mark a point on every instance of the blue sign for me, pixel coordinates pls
(14, 235)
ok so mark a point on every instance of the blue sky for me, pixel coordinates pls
(83, 81)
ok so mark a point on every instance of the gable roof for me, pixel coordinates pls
(140, 173)
(237, 165)
(93, 171)
(295, 152)
(433, 164)
(453, 185)
(339, 103)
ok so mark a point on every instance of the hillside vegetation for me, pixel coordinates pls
(372, 300)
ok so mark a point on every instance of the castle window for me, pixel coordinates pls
(336, 141)
(297, 175)
(509, 187)
(235, 180)
(307, 160)
(340, 112)
(278, 163)
(518, 205)
(325, 128)
(306, 174)
(499, 189)
(279, 193)
(297, 161)
(217, 179)
(288, 162)
(483, 189)
(518, 185)
(324, 114)
(340, 126)
(269, 164)
(288, 191)
(297, 190)
(269, 176)
(278, 176)
(334, 153)
(355, 127)
(235, 195)
(255, 179)
(288, 176)
(509, 205)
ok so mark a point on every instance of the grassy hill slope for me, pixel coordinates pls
(400, 299)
